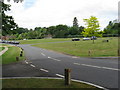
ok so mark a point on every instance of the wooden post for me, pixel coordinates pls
(67, 77)
(17, 58)
(89, 53)
(118, 52)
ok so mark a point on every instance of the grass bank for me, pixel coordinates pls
(81, 48)
(41, 83)
(10, 55)
(2, 48)
(34, 41)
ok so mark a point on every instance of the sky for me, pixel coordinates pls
(44, 13)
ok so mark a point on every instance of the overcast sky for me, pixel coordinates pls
(44, 13)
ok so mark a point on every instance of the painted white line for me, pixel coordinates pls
(111, 68)
(54, 59)
(26, 62)
(49, 57)
(43, 54)
(44, 70)
(32, 65)
(59, 75)
(76, 63)
(90, 84)
(90, 66)
(74, 57)
(98, 67)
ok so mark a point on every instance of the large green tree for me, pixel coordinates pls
(8, 24)
(61, 31)
(75, 22)
(112, 28)
(92, 27)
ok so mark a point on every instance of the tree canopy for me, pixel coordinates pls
(8, 24)
(112, 28)
(92, 27)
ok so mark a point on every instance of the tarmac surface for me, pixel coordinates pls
(43, 63)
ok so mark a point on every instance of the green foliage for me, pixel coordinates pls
(10, 56)
(112, 28)
(75, 22)
(8, 24)
(92, 27)
(74, 31)
(61, 31)
(33, 83)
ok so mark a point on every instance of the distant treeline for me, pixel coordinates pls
(59, 31)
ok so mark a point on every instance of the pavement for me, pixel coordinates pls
(41, 62)
(3, 51)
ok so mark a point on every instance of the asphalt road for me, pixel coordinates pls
(41, 62)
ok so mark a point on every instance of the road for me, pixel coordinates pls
(103, 72)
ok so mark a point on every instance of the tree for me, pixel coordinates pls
(61, 31)
(111, 28)
(92, 27)
(75, 22)
(81, 28)
(8, 24)
(75, 29)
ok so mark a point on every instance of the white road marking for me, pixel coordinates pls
(59, 75)
(76, 63)
(111, 68)
(26, 62)
(90, 66)
(74, 57)
(54, 59)
(43, 54)
(49, 57)
(32, 65)
(90, 84)
(97, 67)
(44, 70)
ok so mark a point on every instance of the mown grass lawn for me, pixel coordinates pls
(34, 41)
(41, 83)
(81, 48)
(10, 55)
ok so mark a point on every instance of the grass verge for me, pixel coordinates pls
(10, 55)
(41, 83)
(82, 48)
(2, 48)
(34, 41)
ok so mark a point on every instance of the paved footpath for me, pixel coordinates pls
(3, 51)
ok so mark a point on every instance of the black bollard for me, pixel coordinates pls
(20, 54)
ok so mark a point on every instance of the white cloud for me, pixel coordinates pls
(54, 12)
